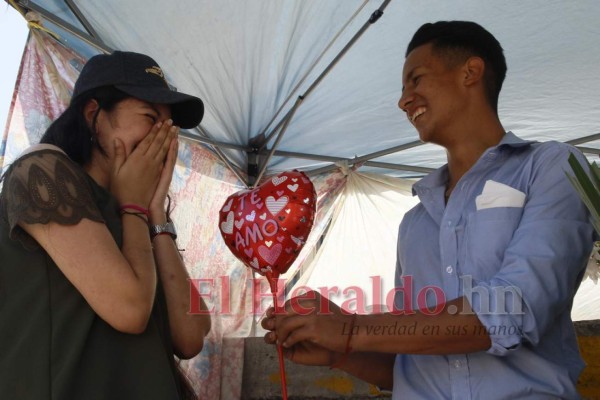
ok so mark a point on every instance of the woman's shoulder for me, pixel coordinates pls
(42, 151)
(44, 185)
(43, 159)
(41, 147)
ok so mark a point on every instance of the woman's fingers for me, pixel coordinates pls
(145, 144)
(161, 141)
(166, 175)
(148, 165)
(119, 158)
(166, 146)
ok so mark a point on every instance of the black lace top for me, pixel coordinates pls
(45, 186)
(52, 344)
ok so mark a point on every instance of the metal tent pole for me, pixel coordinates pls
(314, 64)
(65, 25)
(372, 19)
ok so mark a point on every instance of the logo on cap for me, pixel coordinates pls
(156, 71)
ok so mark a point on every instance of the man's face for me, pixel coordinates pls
(430, 96)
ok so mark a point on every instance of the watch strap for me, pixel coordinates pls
(166, 228)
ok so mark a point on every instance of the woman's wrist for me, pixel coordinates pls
(139, 215)
(157, 217)
(134, 208)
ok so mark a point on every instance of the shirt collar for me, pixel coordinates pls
(439, 177)
(511, 140)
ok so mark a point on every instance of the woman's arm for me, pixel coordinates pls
(119, 284)
(187, 330)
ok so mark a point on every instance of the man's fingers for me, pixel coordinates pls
(295, 336)
(286, 326)
(268, 323)
(270, 338)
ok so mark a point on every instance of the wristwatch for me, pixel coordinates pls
(163, 228)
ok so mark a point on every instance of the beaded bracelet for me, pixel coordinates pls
(348, 349)
(135, 207)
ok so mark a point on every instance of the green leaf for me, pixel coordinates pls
(587, 190)
(595, 172)
(584, 180)
(595, 215)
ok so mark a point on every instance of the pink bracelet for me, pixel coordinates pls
(136, 208)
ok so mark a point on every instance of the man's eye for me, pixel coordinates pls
(152, 117)
(416, 79)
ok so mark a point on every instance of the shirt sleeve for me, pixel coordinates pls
(544, 261)
(45, 186)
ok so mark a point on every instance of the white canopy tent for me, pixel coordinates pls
(250, 59)
(314, 85)
(305, 84)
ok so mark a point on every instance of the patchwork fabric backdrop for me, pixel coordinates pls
(200, 186)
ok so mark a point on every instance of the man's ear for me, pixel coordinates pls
(474, 69)
(90, 110)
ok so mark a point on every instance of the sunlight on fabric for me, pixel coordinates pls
(361, 242)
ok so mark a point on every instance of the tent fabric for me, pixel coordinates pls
(368, 215)
(40, 95)
(244, 59)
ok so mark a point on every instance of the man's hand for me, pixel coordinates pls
(312, 329)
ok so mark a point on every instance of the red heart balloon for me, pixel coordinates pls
(266, 227)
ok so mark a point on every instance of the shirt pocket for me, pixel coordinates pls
(488, 233)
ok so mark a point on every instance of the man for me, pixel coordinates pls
(488, 262)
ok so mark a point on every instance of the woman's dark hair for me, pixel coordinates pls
(456, 41)
(72, 133)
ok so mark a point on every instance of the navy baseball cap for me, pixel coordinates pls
(139, 76)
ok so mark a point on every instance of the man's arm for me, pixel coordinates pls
(318, 338)
(454, 330)
(371, 367)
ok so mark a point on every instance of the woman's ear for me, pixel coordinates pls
(474, 69)
(90, 110)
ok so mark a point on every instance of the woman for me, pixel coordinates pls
(94, 296)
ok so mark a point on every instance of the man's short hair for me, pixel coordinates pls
(456, 41)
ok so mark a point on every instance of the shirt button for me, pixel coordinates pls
(457, 363)
(449, 269)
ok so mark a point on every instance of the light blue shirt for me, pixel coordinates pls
(519, 264)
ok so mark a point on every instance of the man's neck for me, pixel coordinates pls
(463, 153)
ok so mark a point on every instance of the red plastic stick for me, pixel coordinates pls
(273, 284)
